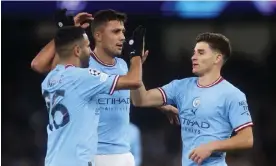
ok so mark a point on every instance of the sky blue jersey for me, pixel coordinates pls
(207, 114)
(114, 111)
(135, 143)
(73, 118)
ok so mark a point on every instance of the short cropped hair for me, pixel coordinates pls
(104, 16)
(66, 36)
(217, 42)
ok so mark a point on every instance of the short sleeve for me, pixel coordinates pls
(168, 92)
(238, 112)
(91, 82)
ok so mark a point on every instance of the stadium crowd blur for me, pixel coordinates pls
(170, 40)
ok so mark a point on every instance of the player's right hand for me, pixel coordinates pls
(136, 43)
(83, 19)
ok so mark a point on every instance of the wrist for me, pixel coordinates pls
(215, 145)
(135, 58)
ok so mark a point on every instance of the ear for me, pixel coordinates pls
(77, 50)
(219, 58)
(98, 36)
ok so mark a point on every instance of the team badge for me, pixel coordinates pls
(196, 102)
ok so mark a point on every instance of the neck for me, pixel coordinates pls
(209, 78)
(103, 56)
(70, 61)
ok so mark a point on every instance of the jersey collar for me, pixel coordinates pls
(101, 62)
(212, 84)
(68, 65)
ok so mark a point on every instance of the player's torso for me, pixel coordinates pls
(73, 122)
(114, 113)
(203, 118)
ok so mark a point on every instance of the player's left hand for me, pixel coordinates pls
(201, 153)
(171, 112)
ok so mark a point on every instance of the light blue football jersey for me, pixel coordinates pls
(73, 117)
(135, 143)
(114, 111)
(207, 114)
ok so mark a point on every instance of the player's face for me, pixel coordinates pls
(85, 53)
(113, 37)
(204, 58)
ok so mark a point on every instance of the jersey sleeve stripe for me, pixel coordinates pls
(243, 126)
(114, 84)
(164, 96)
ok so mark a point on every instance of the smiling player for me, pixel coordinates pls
(210, 107)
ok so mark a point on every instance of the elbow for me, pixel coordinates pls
(137, 103)
(250, 142)
(35, 66)
(136, 84)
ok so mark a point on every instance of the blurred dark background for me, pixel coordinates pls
(171, 31)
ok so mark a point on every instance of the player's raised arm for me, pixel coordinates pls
(46, 60)
(155, 97)
(147, 98)
(92, 82)
(104, 83)
(133, 79)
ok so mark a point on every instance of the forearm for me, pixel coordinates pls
(135, 71)
(146, 98)
(133, 79)
(239, 141)
(138, 95)
(45, 60)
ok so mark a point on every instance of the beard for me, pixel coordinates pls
(113, 53)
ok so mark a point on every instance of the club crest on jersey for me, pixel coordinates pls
(196, 102)
(94, 72)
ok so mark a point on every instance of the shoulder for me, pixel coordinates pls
(231, 90)
(93, 62)
(84, 73)
(73, 73)
(231, 93)
(120, 60)
(122, 63)
(58, 77)
(184, 82)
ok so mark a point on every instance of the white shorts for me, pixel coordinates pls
(125, 159)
